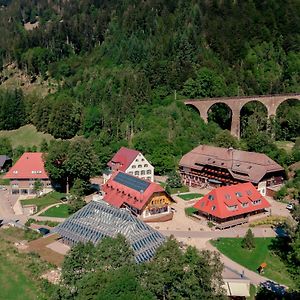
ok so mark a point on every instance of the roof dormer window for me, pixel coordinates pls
(211, 197)
(15, 172)
(238, 194)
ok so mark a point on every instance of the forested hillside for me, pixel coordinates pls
(123, 67)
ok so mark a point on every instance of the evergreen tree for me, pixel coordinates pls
(248, 241)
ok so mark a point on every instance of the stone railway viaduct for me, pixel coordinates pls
(271, 102)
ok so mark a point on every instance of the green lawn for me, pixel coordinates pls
(190, 210)
(251, 259)
(183, 189)
(14, 283)
(4, 181)
(44, 201)
(26, 136)
(190, 196)
(58, 211)
(19, 272)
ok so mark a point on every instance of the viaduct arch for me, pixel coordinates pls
(271, 102)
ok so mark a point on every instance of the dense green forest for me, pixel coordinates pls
(122, 69)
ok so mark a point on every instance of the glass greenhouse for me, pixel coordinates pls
(98, 220)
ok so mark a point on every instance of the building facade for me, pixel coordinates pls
(231, 205)
(207, 165)
(132, 162)
(146, 200)
(25, 172)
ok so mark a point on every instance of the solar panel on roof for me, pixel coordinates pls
(132, 182)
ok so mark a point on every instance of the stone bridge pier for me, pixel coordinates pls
(271, 102)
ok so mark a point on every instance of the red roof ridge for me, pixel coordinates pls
(218, 206)
(130, 196)
(125, 156)
(29, 166)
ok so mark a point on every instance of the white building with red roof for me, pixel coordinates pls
(145, 199)
(132, 162)
(28, 169)
(232, 205)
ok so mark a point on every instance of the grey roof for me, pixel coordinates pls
(243, 165)
(98, 220)
(3, 159)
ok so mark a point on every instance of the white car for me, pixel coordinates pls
(290, 206)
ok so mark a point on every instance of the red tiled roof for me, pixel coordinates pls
(216, 202)
(124, 157)
(242, 165)
(117, 193)
(29, 166)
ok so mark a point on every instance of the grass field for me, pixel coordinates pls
(26, 136)
(190, 210)
(286, 145)
(251, 259)
(190, 196)
(58, 211)
(44, 201)
(18, 281)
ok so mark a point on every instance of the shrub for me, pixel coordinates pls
(248, 241)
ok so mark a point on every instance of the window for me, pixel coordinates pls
(143, 172)
(140, 166)
(131, 173)
(232, 207)
(136, 160)
(145, 165)
(249, 192)
(211, 197)
(149, 178)
(245, 204)
(148, 171)
(238, 194)
(133, 167)
(213, 207)
(137, 173)
(255, 202)
(15, 172)
(142, 159)
(227, 196)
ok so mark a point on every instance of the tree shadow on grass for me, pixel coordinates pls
(281, 247)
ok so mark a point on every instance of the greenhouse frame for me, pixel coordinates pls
(98, 219)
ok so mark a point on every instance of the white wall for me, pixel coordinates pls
(141, 168)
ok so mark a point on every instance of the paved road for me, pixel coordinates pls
(231, 232)
(231, 268)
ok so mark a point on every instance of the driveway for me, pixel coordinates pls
(7, 201)
(231, 232)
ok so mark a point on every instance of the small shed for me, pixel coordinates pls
(237, 288)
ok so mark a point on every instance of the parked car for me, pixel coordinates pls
(290, 206)
(43, 230)
(2, 188)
